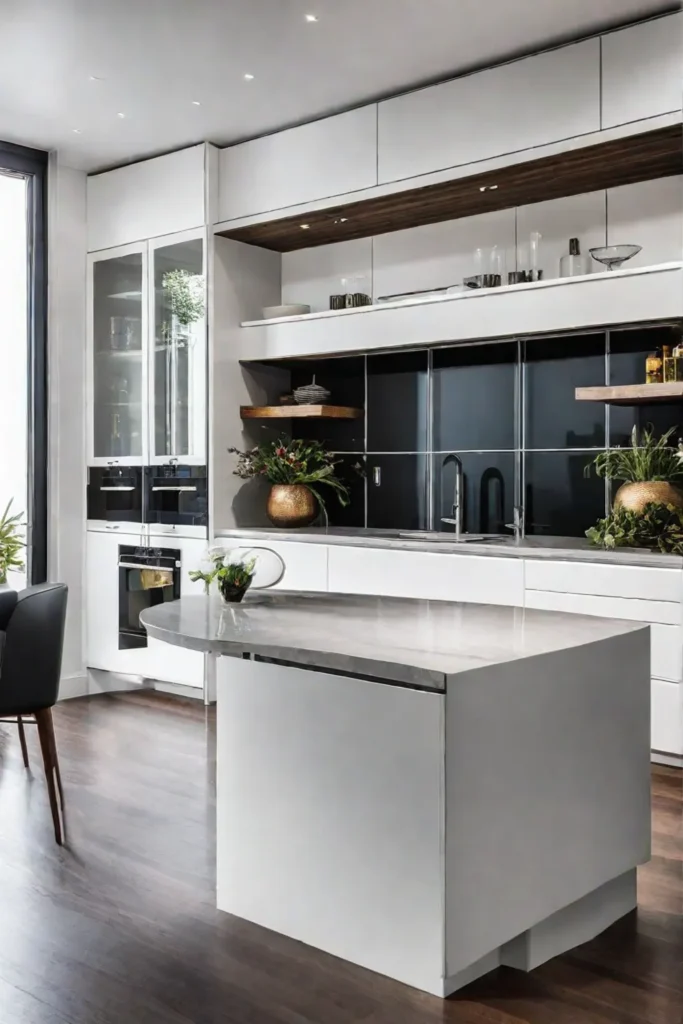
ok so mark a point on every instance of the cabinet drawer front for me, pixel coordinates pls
(305, 564)
(329, 157)
(667, 717)
(629, 581)
(478, 116)
(651, 50)
(666, 656)
(437, 577)
(609, 607)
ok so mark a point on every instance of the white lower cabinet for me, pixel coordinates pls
(429, 575)
(648, 595)
(305, 565)
(667, 717)
(157, 660)
(165, 662)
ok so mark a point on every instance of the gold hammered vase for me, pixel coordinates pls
(291, 505)
(635, 496)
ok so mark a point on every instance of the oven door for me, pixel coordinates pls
(115, 494)
(147, 577)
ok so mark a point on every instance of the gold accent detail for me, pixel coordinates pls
(635, 496)
(153, 578)
(291, 505)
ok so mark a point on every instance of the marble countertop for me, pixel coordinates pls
(559, 548)
(403, 641)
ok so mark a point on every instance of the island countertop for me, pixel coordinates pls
(404, 641)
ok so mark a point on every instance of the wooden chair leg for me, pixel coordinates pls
(43, 722)
(55, 759)
(22, 741)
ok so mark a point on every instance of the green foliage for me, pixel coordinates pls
(185, 293)
(11, 543)
(658, 527)
(646, 458)
(234, 574)
(292, 462)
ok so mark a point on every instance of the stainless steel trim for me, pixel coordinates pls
(170, 488)
(142, 565)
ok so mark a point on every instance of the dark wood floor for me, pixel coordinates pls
(120, 927)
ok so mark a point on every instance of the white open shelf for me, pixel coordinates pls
(562, 304)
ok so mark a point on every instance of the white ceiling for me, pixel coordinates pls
(152, 58)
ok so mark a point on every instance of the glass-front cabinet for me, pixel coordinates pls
(177, 368)
(147, 353)
(117, 353)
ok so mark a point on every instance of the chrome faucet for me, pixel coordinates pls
(457, 494)
(518, 523)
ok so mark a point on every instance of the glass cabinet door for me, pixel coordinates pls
(118, 365)
(178, 367)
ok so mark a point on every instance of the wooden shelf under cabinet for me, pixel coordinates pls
(282, 412)
(632, 394)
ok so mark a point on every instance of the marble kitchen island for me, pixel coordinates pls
(424, 788)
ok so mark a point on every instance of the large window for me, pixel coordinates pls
(23, 399)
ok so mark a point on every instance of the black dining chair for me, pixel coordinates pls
(31, 642)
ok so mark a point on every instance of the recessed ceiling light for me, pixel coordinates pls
(248, 77)
(341, 220)
(491, 187)
(196, 103)
(305, 227)
(311, 17)
(482, 188)
(77, 130)
(120, 114)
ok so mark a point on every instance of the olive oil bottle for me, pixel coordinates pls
(654, 368)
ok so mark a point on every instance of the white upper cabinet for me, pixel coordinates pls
(325, 158)
(531, 102)
(642, 71)
(147, 199)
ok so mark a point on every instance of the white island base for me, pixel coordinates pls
(432, 836)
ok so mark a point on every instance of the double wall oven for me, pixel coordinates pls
(172, 495)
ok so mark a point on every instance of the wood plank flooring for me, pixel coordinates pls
(120, 926)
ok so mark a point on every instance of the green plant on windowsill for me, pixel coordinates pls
(11, 543)
(658, 527)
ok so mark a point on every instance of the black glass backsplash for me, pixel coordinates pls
(507, 409)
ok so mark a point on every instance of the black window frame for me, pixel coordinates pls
(33, 165)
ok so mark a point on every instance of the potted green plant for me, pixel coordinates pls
(649, 467)
(232, 578)
(296, 471)
(11, 543)
(657, 527)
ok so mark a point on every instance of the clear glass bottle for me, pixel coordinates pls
(574, 264)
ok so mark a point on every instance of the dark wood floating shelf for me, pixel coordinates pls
(632, 394)
(320, 412)
(654, 154)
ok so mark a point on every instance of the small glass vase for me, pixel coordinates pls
(231, 594)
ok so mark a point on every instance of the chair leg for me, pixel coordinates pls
(43, 719)
(55, 759)
(22, 741)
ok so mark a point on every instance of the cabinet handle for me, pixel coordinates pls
(114, 463)
(112, 527)
(169, 488)
(117, 488)
(377, 476)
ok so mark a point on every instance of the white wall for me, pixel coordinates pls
(648, 213)
(66, 384)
